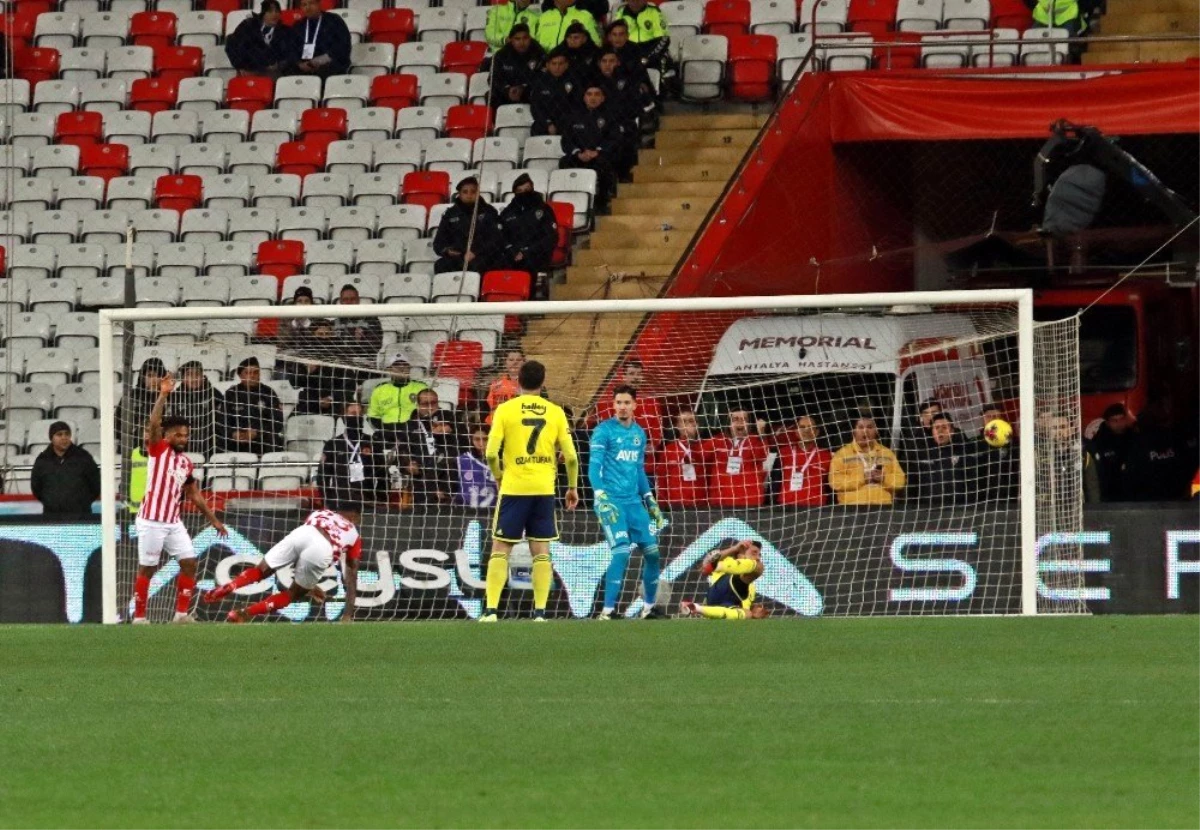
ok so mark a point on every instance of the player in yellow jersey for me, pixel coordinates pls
(731, 573)
(528, 432)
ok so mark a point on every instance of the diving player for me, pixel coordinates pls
(624, 502)
(731, 573)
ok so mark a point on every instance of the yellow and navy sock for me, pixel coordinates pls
(497, 577)
(543, 577)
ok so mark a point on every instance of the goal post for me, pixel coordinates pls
(981, 348)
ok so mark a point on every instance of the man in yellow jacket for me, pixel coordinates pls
(503, 16)
(553, 23)
(865, 472)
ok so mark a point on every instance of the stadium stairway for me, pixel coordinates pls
(1146, 17)
(633, 252)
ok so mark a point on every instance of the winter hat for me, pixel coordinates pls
(59, 426)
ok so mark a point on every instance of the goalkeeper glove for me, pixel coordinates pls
(605, 509)
(656, 514)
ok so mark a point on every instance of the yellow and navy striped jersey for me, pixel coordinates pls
(527, 433)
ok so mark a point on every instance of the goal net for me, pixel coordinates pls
(849, 435)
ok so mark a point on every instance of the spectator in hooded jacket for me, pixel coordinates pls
(319, 43)
(450, 242)
(260, 45)
(516, 66)
(1110, 450)
(938, 473)
(529, 229)
(65, 477)
(503, 20)
(594, 141)
(555, 20)
(553, 96)
(196, 400)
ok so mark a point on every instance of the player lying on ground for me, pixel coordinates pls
(731, 573)
(325, 538)
(527, 434)
(624, 501)
(169, 481)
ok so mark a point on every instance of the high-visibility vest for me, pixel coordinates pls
(646, 26)
(1064, 12)
(137, 479)
(552, 26)
(501, 18)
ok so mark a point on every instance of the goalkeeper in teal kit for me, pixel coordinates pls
(624, 502)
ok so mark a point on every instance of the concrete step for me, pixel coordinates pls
(707, 138)
(637, 223)
(1141, 53)
(648, 239)
(711, 123)
(685, 173)
(687, 206)
(1150, 24)
(691, 156)
(658, 190)
(1123, 8)
(635, 289)
(626, 259)
(595, 275)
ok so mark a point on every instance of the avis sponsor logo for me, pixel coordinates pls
(627, 455)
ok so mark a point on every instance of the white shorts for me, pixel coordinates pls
(155, 537)
(307, 549)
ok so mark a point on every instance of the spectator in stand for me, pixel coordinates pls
(804, 465)
(357, 338)
(647, 30)
(428, 450)
(135, 407)
(476, 486)
(1110, 448)
(65, 478)
(616, 38)
(737, 477)
(253, 413)
(454, 231)
(681, 467)
(516, 66)
(916, 436)
(196, 400)
(324, 390)
(995, 472)
(529, 229)
(555, 19)
(352, 472)
(865, 472)
(1059, 14)
(598, 9)
(591, 139)
(581, 54)
(1159, 459)
(1061, 461)
(649, 414)
(507, 385)
(502, 22)
(394, 401)
(295, 335)
(628, 103)
(552, 96)
(939, 473)
(260, 45)
(319, 43)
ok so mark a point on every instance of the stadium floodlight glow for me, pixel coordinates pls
(778, 355)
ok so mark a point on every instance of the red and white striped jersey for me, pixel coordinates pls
(341, 532)
(167, 473)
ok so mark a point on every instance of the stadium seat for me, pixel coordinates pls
(104, 161)
(106, 95)
(356, 22)
(459, 360)
(200, 95)
(307, 434)
(371, 60)
(323, 125)
(378, 258)
(300, 158)
(346, 92)
(178, 63)
(426, 188)
(394, 26)
(684, 19)
(453, 155)
(463, 56)
(302, 224)
(227, 192)
(440, 25)
(871, 17)
(443, 89)
(419, 123)
(217, 65)
(470, 121)
(935, 55)
(997, 54)
(370, 124)
(153, 94)
(36, 64)
(273, 126)
(203, 225)
(80, 193)
(30, 130)
(792, 51)
(726, 17)
(325, 190)
(179, 193)
(420, 59)
(281, 258)
(283, 471)
(130, 63)
(28, 265)
(77, 330)
(824, 17)
(475, 23)
(403, 223)
(542, 152)
(55, 161)
(752, 61)
(280, 191)
(103, 227)
(200, 29)
(19, 27)
(250, 93)
(407, 288)
(174, 127)
(918, 15)
(81, 129)
(103, 31)
(702, 67)
(297, 93)
(966, 14)
(253, 225)
(82, 64)
(772, 17)
(905, 54)
(351, 223)
(1042, 46)
(330, 258)
(228, 259)
(505, 287)
(202, 159)
(57, 30)
(153, 29)
(256, 289)
(156, 227)
(577, 188)
(32, 195)
(55, 97)
(349, 157)
(378, 190)
(513, 121)
(55, 296)
(205, 291)
(850, 54)
(394, 91)
(495, 155)
(230, 127)
(1010, 14)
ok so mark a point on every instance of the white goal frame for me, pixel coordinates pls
(111, 319)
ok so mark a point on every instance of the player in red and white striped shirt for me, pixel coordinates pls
(325, 538)
(159, 527)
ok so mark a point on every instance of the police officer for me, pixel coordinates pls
(394, 401)
(552, 96)
(628, 102)
(616, 38)
(556, 19)
(516, 66)
(353, 469)
(581, 54)
(593, 140)
(1061, 14)
(450, 242)
(529, 229)
(648, 30)
(503, 18)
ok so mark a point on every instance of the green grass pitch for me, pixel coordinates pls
(1082, 722)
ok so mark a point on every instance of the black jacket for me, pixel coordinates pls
(938, 475)
(630, 56)
(332, 39)
(626, 100)
(248, 49)
(66, 486)
(435, 458)
(359, 339)
(529, 228)
(203, 409)
(455, 227)
(258, 409)
(582, 60)
(323, 382)
(591, 130)
(333, 474)
(1110, 452)
(552, 100)
(996, 471)
(510, 68)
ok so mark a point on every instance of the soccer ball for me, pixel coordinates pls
(997, 433)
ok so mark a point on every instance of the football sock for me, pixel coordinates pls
(271, 603)
(543, 577)
(497, 576)
(717, 612)
(246, 577)
(185, 587)
(141, 591)
(615, 575)
(651, 568)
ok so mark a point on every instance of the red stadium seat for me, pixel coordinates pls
(1011, 14)
(224, 6)
(81, 129)
(393, 26)
(463, 56)
(395, 91)
(564, 215)
(468, 121)
(323, 125)
(460, 360)
(281, 258)
(250, 93)
(300, 157)
(905, 56)
(290, 17)
(425, 187)
(872, 17)
(35, 65)
(3, 261)
(105, 161)
(178, 192)
(178, 62)
(505, 287)
(752, 67)
(727, 17)
(19, 30)
(153, 94)
(153, 29)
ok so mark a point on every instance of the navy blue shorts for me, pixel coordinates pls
(525, 517)
(725, 593)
